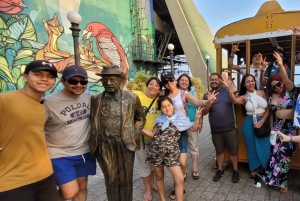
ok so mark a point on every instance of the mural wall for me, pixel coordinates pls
(39, 30)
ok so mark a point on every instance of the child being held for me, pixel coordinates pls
(164, 150)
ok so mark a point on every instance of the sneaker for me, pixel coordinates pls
(219, 174)
(235, 176)
(255, 181)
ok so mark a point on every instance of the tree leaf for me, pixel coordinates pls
(3, 85)
(11, 86)
(20, 83)
(16, 73)
(4, 70)
(23, 61)
(24, 53)
(10, 55)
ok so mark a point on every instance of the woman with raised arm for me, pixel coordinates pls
(184, 83)
(255, 102)
(282, 102)
(180, 99)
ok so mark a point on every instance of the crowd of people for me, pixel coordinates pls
(49, 146)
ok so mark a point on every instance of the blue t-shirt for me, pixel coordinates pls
(221, 116)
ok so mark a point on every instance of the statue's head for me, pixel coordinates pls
(111, 78)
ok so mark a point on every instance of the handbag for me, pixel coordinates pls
(146, 112)
(265, 129)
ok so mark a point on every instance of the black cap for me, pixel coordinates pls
(40, 65)
(72, 71)
(167, 74)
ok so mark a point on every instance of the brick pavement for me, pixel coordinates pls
(205, 188)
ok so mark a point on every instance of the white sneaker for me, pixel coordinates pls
(255, 181)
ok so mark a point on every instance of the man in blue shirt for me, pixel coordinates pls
(222, 124)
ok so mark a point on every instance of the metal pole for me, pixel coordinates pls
(75, 33)
(171, 61)
(207, 62)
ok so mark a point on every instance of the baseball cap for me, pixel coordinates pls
(167, 74)
(74, 70)
(40, 65)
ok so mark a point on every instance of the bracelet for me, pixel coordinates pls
(231, 56)
(204, 102)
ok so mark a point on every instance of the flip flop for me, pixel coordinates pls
(195, 175)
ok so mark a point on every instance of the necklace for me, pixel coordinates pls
(41, 101)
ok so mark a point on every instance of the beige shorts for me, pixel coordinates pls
(140, 156)
(193, 143)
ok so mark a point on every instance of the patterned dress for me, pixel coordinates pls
(164, 150)
(279, 164)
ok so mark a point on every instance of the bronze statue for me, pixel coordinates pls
(117, 119)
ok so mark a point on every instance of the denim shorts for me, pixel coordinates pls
(67, 169)
(184, 141)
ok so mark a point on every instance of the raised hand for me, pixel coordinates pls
(211, 96)
(296, 30)
(198, 113)
(227, 81)
(235, 47)
(264, 64)
(278, 58)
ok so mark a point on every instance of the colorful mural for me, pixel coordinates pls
(38, 30)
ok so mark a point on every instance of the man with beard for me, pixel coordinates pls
(222, 124)
(255, 68)
(67, 134)
(117, 118)
(272, 68)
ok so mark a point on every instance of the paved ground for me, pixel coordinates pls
(205, 188)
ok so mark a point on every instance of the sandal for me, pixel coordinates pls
(154, 189)
(195, 175)
(283, 190)
(147, 197)
(172, 195)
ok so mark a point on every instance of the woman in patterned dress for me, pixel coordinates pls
(282, 103)
(164, 150)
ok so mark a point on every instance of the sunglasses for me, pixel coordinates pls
(164, 82)
(276, 86)
(75, 82)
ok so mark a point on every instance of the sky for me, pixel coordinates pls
(219, 13)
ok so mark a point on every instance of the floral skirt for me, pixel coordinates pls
(279, 164)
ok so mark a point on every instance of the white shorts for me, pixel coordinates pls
(141, 155)
(193, 143)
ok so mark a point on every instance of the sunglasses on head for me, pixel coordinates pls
(276, 86)
(164, 82)
(75, 82)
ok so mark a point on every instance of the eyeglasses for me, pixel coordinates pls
(164, 82)
(256, 74)
(276, 86)
(75, 82)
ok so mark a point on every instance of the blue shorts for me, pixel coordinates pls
(184, 141)
(67, 169)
